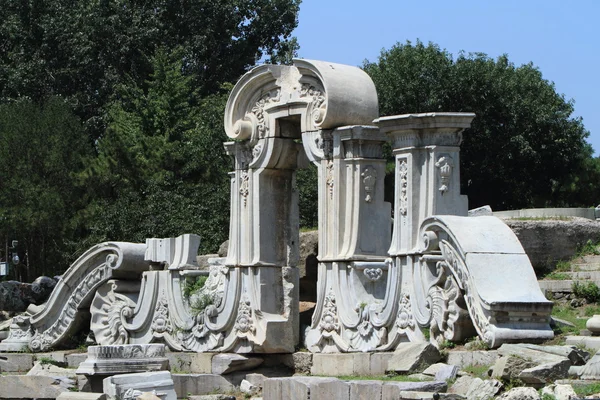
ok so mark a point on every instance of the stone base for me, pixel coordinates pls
(123, 359)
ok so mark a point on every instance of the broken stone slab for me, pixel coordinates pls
(546, 373)
(461, 385)
(576, 355)
(15, 362)
(45, 369)
(226, 363)
(591, 370)
(520, 393)
(132, 385)
(413, 357)
(393, 390)
(428, 395)
(199, 384)
(420, 377)
(560, 392)
(211, 397)
(510, 367)
(442, 371)
(591, 342)
(534, 355)
(81, 396)
(31, 387)
(483, 389)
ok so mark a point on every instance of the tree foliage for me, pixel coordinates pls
(524, 148)
(41, 148)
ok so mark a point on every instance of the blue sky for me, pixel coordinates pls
(562, 38)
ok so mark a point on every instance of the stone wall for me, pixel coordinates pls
(547, 241)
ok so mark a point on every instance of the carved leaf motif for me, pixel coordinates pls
(403, 175)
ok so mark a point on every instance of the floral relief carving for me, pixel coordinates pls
(329, 320)
(244, 186)
(329, 178)
(161, 322)
(403, 175)
(244, 323)
(405, 318)
(318, 101)
(373, 274)
(369, 176)
(444, 165)
(259, 112)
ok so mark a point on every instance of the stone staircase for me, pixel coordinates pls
(582, 269)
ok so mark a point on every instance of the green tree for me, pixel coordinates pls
(41, 148)
(524, 146)
(82, 50)
(161, 169)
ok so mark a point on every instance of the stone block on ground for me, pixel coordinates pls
(483, 389)
(591, 342)
(81, 396)
(227, 363)
(413, 357)
(305, 388)
(510, 367)
(248, 388)
(520, 393)
(190, 363)
(546, 373)
(302, 361)
(365, 390)
(461, 385)
(560, 392)
(336, 364)
(576, 355)
(463, 358)
(31, 387)
(428, 395)
(123, 359)
(211, 397)
(591, 370)
(393, 390)
(534, 355)
(442, 371)
(133, 385)
(75, 359)
(15, 362)
(199, 384)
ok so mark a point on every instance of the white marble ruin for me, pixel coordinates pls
(382, 277)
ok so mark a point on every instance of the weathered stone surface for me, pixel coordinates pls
(15, 362)
(45, 369)
(591, 370)
(464, 358)
(365, 390)
(211, 397)
(413, 357)
(481, 211)
(428, 395)
(305, 387)
(544, 247)
(461, 385)
(576, 355)
(302, 362)
(393, 390)
(345, 363)
(534, 355)
(546, 373)
(31, 387)
(123, 359)
(197, 384)
(17, 296)
(520, 393)
(190, 363)
(483, 390)
(133, 385)
(75, 359)
(442, 371)
(248, 388)
(81, 396)
(227, 363)
(560, 392)
(510, 367)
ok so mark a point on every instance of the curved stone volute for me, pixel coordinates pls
(325, 96)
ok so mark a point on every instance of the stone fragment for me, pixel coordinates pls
(211, 397)
(483, 390)
(420, 377)
(546, 373)
(227, 363)
(17, 296)
(481, 211)
(31, 387)
(576, 355)
(45, 369)
(199, 384)
(591, 370)
(248, 388)
(413, 357)
(15, 362)
(510, 367)
(132, 385)
(302, 362)
(462, 385)
(75, 359)
(393, 390)
(305, 388)
(81, 396)
(560, 392)
(428, 395)
(463, 358)
(520, 393)
(442, 371)
(148, 396)
(190, 363)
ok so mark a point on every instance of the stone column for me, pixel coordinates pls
(426, 149)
